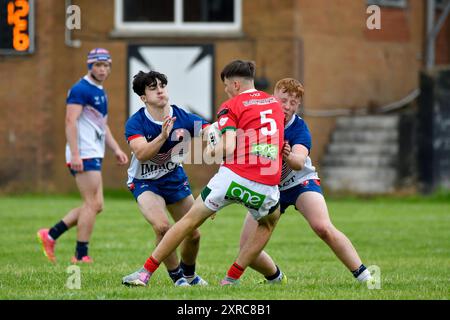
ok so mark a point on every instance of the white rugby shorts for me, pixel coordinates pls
(227, 187)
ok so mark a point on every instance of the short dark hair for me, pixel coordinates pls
(144, 79)
(239, 68)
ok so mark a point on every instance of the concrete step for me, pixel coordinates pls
(359, 180)
(362, 155)
(366, 174)
(367, 161)
(356, 149)
(386, 136)
(366, 122)
(358, 186)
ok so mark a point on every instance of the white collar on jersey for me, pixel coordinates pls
(86, 77)
(248, 91)
(149, 116)
(290, 122)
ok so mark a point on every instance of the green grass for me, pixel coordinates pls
(408, 239)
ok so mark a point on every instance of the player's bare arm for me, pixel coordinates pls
(296, 156)
(73, 112)
(121, 157)
(146, 150)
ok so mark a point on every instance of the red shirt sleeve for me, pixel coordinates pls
(226, 117)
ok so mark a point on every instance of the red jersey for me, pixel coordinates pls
(258, 120)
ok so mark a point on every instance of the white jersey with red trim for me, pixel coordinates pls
(297, 132)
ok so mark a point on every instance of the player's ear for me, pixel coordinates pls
(237, 85)
(143, 98)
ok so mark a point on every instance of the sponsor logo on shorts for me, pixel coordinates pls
(288, 182)
(247, 197)
(265, 150)
(215, 205)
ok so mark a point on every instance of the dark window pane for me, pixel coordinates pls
(389, 3)
(148, 10)
(208, 10)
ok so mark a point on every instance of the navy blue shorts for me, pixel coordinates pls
(289, 197)
(172, 187)
(93, 164)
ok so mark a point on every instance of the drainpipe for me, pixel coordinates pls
(433, 30)
(431, 41)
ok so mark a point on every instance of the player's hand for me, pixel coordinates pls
(122, 158)
(167, 126)
(286, 150)
(209, 151)
(76, 164)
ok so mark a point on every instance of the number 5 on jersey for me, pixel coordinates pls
(271, 122)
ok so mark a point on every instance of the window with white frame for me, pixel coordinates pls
(389, 3)
(178, 16)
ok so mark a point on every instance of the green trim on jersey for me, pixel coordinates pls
(205, 193)
(228, 128)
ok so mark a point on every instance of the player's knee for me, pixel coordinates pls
(194, 236)
(96, 206)
(324, 231)
(161, 229)
(100, 208)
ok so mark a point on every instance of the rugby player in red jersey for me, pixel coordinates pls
(252, 126)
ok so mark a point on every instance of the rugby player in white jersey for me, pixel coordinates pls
(158, 135)
(87, 133)
(300, 187)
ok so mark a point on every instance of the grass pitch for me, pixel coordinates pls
(408, 239)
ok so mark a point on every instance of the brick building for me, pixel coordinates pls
(324, 43)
